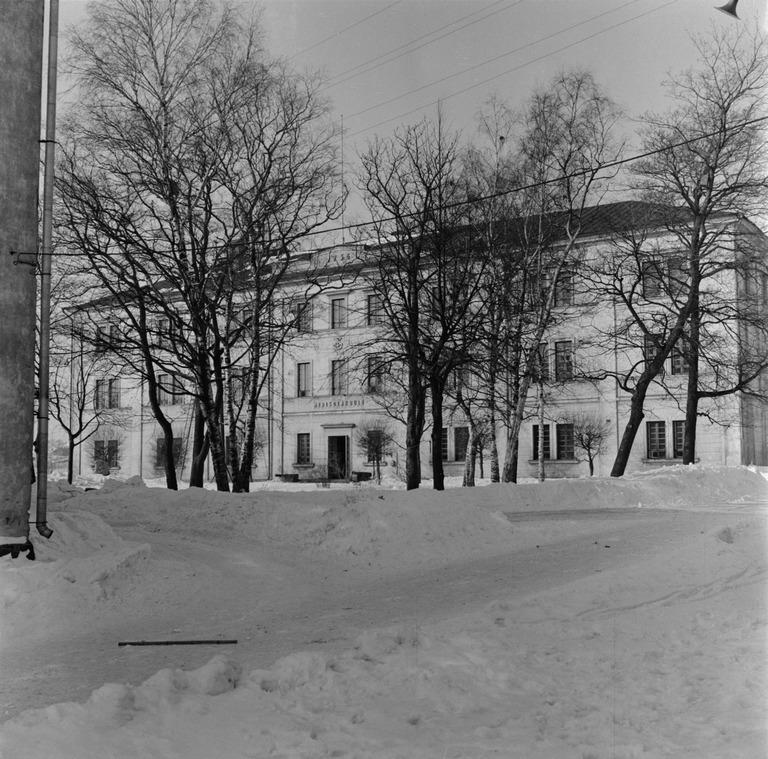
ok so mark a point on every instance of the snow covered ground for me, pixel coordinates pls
(582, 619)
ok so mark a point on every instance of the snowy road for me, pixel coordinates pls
(278, 601)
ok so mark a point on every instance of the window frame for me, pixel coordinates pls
(303, 448)
(374, 316)
(547, 442)
(338, 312)
(563, 373)
(656, 440)
(339, 377)
(678, 438)
(565, 440)
(460, 442)
(303, 379)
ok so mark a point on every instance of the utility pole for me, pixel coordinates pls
(21, 64)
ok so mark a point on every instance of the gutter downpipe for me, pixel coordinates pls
(45, 275)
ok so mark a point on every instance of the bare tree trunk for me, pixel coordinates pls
(438, 473)
(470, 459)
(691, 350)
(542, 473)
(200, 448)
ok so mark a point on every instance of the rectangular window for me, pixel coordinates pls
(160, 452)
(375, 445)
(444, 443)
(536, 442)
(678, 438)
(652, 274)
(303, 449)
(564, 288)
(678, 358)
(564, 434)
(107, 338)
(303, 316)
(656, 436)
(303, 380)
(375, 312)
(338, 313)
(169, 390)
(107, 394)
(338, 377)
(563, 360)
(677, 275)
(541, 370)
(651, 346)
(460, 443)
(375, 375)
(106, 456)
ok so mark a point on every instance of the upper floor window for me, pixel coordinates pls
(339, 378)
(375, 373)
(679, 356)
(169, 390)
(563, 360)
(652, 274)
(564, 288)
(375, 309)
(303, 380)
(540, 371)
(107, 394)
(338, 313)
(444, 443)
(651, 346)
(677, 275)
(107, 337)
(303, 317)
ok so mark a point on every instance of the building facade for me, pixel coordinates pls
(322, 416)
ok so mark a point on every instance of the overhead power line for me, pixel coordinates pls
(453, 30)
(347, 28)
(494, 59)
(665, 5)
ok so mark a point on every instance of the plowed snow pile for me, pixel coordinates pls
(661, 657)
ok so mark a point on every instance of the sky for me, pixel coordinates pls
(596, 618)
(389, 62)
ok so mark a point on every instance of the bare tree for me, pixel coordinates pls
(425, 275)
(566, 139)
(590, 434)
(193, 166)
(705, 172)
(375, 436)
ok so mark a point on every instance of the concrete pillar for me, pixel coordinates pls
(21, 65)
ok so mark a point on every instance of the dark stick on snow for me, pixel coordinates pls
(176, 642)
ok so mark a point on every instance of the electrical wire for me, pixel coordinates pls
(532, 185)
(496, 58)
(512, 70)
(333, 80)
(346, 29)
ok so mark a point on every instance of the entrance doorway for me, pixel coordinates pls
(338, 457)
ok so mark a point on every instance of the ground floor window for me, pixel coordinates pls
(565, 441)
(460, 443)
(656, 437)
(678, 438)
(303, 449)
(536, 442)
(160, 452)
(106, 456)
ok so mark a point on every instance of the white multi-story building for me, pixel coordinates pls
(321, 407)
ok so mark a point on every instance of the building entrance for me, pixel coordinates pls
(338, 457)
